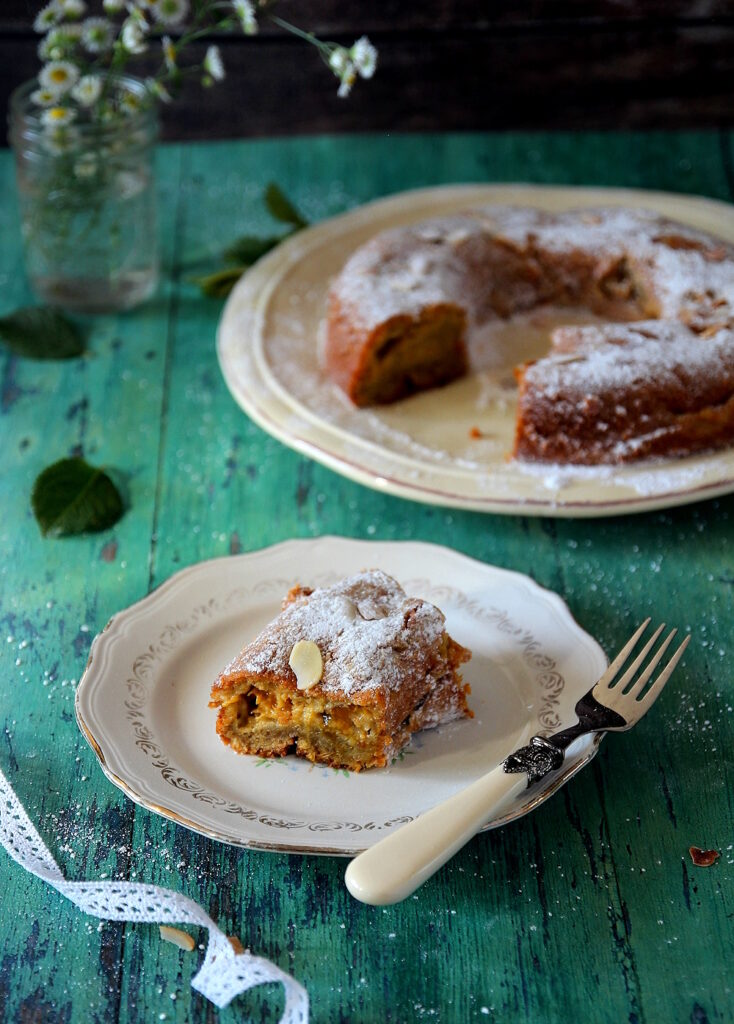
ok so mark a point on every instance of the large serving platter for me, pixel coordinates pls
(426, 447)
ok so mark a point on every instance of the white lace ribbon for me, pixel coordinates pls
(224, 973)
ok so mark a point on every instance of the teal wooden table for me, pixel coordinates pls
(588, 909)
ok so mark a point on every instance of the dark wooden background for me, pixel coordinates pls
(545, 64)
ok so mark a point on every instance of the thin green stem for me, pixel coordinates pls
(308, 36)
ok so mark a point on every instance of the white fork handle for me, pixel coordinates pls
(397, 865)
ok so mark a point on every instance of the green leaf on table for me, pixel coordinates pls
(219, 284)
(280, 207)
(248, 249)
(73, 497)
(38, 332)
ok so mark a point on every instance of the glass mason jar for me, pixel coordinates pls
(87, 204)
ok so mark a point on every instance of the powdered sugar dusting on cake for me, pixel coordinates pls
(627, 389)
(370, 634)
(619, 357)
(403, 271)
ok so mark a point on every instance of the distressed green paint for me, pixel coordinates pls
(588, 909)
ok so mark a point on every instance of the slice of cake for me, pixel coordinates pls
(344, 676)
(620, 392)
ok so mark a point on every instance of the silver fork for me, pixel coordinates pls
(396, 866)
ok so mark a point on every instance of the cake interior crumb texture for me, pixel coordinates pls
(389, 670)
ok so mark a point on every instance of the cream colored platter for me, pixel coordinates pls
(426, 447)
(143, 700)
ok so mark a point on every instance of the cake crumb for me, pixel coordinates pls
(703, 858)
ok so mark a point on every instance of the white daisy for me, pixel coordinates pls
(60, 42)
(44, 97)
(46, 50)
(97, 35)
(87, 90)
(348, 79)
(59, 75)
(213, 63)
(113, 6)
(130, 103)
(47, 17)
(72, 8)
(364, 57)
(133, 36)
(246, 14)
(170, 12)
(340, 62)
(58, 117)
(169, 52)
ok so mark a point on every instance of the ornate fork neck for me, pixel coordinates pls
(544, 755)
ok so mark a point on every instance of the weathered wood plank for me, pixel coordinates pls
(329, 18)
(554, 70)
(56, 595)
(550, 918)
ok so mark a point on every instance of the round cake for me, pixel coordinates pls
(655, 378)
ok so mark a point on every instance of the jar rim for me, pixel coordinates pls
(21, 112)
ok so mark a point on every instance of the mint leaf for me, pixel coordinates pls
(73, 497)
(219, 284)
(38, 332)
(282, 208)
(248, 250)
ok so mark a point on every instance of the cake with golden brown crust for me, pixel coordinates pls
(402, 313)
(385, 669)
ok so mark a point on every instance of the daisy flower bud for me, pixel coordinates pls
(169, 52)
(158, 89)
(213, 64)
(59, 75)
(133, 36)
(364, 57)
(44, 97)
(113, 6)
(170, 12)
(97, 35)
(87, 89)
(72, 8)
(246, 14)
(339, 61)
(47, 17)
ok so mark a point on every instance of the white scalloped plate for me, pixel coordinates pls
(142, 702)
(422, 448)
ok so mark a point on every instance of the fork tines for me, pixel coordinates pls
(631, 696)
